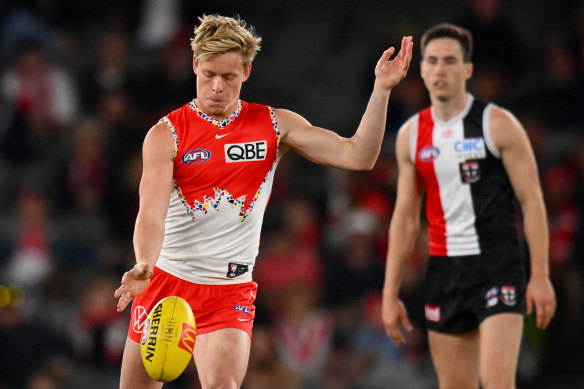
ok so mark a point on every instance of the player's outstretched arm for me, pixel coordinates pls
(359, 152)
(155, 189)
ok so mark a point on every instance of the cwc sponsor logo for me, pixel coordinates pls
(428, 154)
(196, 156)
(187, 338)
(471, 148)
(242, 152)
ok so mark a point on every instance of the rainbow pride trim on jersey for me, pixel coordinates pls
(213, 202)
(173, 130)
(219, 123)
(275, 124)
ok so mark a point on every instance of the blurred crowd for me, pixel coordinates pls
(82, 82)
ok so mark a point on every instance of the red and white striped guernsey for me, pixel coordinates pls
(223, 174)
(470, 204)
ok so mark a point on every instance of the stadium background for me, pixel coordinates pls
(82, 82)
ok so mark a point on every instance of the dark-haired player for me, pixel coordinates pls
(473, 160)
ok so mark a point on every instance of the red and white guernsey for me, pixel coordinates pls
(470, 204)
(223, 174)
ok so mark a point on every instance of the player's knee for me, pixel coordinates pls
(497, 382)
(457, 384)
(129, 381)
(497, 377)
(219, 381)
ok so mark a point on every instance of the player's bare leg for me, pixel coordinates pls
(456, 359)
(500, 345)
(134, 374)
(221, 358)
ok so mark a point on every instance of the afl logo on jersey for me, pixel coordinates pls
(196, 156)
(428, 154)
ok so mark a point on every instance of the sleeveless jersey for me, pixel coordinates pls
(223, 174)
(470, 204)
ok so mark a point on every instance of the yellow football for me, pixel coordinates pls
(168, 339)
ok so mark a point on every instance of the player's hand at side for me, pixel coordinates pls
(134, 282)
(390, 72)
(395, 317)
(541, 296)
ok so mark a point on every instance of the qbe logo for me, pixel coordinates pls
(242, 152)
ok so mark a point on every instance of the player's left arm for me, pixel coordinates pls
(518, 158)
(359, 152)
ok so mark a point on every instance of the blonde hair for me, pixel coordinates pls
(220, 34)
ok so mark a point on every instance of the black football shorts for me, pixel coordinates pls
(462, 291)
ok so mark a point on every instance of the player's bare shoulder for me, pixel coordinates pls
(501, 117)
(290, 125)
(404, 139)
(406, 127)
(289, 120)
(505, 129)
(160, 140)
(160, 129)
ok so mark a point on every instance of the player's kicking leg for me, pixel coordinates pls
(134, 373)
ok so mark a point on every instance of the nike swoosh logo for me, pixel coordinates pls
(243, 319)
(220, 136)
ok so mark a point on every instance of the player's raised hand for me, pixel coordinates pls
(390, 72)
(134, 282)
